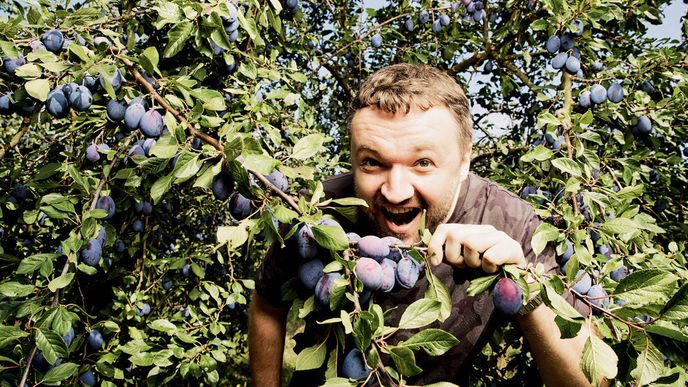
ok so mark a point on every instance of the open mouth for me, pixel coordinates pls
(400, 216)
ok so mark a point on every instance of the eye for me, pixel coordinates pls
(424, 163)
(368, 162)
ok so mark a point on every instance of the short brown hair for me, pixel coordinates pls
(400, 87)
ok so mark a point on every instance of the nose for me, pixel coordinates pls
(397, 187)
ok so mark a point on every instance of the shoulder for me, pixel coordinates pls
(338, 186)
(490, 199)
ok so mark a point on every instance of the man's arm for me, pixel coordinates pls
(558, 359)
(266, 331)
(482, 246)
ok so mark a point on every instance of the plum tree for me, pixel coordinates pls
(507, 296)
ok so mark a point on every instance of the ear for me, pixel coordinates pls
(465, 163)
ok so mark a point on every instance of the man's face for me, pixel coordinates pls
(404, 164)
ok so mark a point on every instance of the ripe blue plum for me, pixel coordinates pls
(354, 366)
(186, 270)
(584, 100)
(615, 93)
(507, 296)
(353, 237)
(605, 250)
(583, 283)
(395, 253)
(310, 273)
(56, 104)
(102, 43)
(5, 106)
(88, 378)
(376, 41)
(478, 15)
(644, 124)
(329, 222)
(151, 124)
(239, 206)
(133, 114)
(92, 252)
(69, 337)
(11, 64)
(92, 154)
(567, 41)
(115, 110)
(108, 204)
(597, 66)
(444, 19)
(424, 17)
(278, 179)
(598, 94)
(306, 245)
(102, 236)
(598, 296)
(324, 286)
(144, 310)
(409, 24)
(369, 272)
(147, 145)
(52, 40)
(578, 27)
(374, 247)
(567, 254)
(137, 226)
(120, 247)
(115, 80)
(389, 272)
(407, 273)
(572, 65)
(619, 274)
(222, 186)
(436, 26)
(95, 339)
(647, 86)
(80, 98)
(559, 60)
(553, 44)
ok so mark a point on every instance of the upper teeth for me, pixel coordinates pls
(397, 210)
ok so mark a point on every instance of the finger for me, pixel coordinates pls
(453, 252)
(476, 243)
(504, 252)
(471, 257)
(436, 245)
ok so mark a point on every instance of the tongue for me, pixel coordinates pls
(402, 218)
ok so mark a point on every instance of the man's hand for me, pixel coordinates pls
(474, 246)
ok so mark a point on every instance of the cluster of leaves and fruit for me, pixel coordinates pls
(147, 146)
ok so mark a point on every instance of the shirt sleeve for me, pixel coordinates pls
(278, 267)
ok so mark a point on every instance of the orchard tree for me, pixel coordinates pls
(152, 151)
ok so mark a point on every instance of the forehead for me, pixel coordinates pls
(418, 129)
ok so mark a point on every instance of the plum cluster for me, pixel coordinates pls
(475, 10)
(380, 264)
(567, 54)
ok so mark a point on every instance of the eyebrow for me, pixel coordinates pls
(417, 148)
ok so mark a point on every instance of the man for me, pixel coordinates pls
(411, 132)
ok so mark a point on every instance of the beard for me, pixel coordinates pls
(434, 214)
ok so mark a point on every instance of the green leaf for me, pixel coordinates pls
(667, 329)
(15, 289)
(481, 284)
(149, 59)
(405, 361)
(60, 373)
(249, 25)
(539, 153)
(420, 313)
(308, 146)
(176, 38)
(364, 328)
(60, 282)
(620, 226)
(438, 292)
(163, 325)
(311, 357)
(160, 187)
(188, 169)
(677, 307)
(433, 341)
(649, 365)
(350, 202)
(32, 263)
(644, 287)
(567, 166)
(330, 237)
(10, 334)
(38, 88)
(560, 306)
(599, 360)
(234, 236)
(51, 344)
(543, 234)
